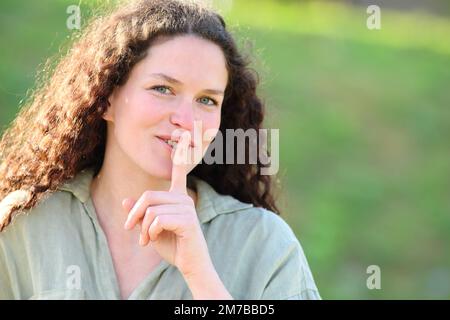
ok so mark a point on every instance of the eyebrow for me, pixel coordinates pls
(178, 82)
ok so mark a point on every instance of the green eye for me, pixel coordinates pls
(166, 90)
(161, 89)
(205, 100)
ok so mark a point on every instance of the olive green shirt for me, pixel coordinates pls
(58, 250)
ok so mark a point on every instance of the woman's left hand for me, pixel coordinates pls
(170, 223)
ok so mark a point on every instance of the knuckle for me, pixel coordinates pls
(148, 194)
(189, 220)
(158, 220)
(187, 199)
(190, 209)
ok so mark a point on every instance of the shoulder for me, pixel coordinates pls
(31, 244)
(37, 219)
(225, 212)
(54, 205)
(263, 246)
(260, 235)
(259, 223)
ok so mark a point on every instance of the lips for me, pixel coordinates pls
(167, 145)
(172, 141)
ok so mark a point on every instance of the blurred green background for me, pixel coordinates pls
(364, 119)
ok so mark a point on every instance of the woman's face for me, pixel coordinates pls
(181, 80)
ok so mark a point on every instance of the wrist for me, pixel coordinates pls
(207, 285)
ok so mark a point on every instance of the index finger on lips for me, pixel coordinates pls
(179, 165)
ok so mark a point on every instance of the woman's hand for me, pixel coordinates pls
(169, 220)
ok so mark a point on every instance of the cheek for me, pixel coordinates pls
(211, 125)
(142, 110)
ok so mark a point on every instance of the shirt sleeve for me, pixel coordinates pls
(289, 276)
(5, 281)
(7, 285)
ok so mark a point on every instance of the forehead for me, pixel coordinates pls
(188, 58)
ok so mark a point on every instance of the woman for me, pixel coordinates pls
(96, 161)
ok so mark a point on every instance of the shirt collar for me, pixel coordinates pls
(209, 203)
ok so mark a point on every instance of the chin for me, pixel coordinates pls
(158, 169)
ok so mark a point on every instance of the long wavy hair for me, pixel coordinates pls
(60, 130)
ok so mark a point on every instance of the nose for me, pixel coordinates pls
(183, 116)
